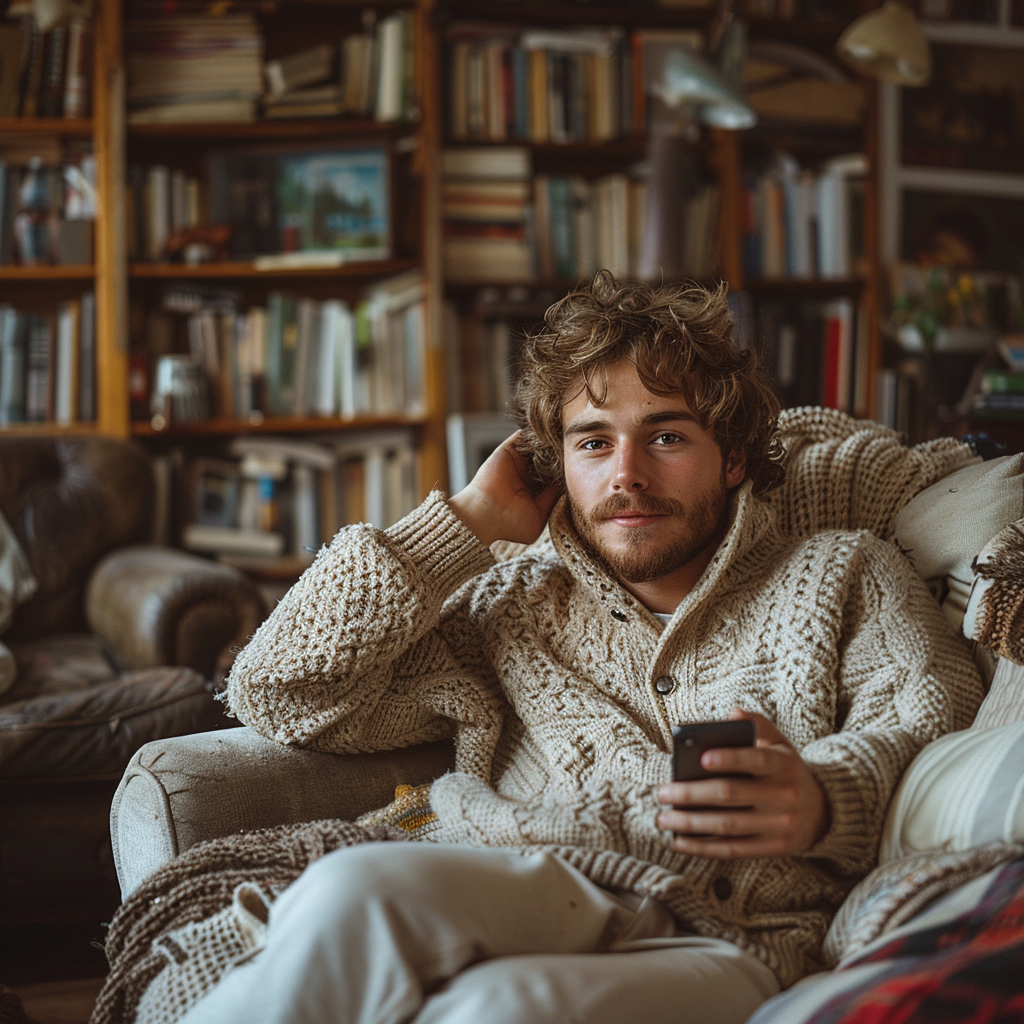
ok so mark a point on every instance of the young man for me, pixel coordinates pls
(557, 880)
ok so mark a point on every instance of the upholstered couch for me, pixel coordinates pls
(958, 813)
(115, 642)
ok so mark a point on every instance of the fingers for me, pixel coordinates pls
(765, 730)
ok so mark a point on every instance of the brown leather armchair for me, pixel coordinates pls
(122, 643)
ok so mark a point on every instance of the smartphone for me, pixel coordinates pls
(690, 741)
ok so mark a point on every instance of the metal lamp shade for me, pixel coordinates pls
(888, 43)
(688, 79)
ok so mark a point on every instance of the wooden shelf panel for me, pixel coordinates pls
(631, 146)
(45, 429)
(46, 126)
(562, 14)
(47, 273)
(278, 128)
(178, 271)
(804, 287)
(274, 425)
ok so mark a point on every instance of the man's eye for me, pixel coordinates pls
(667, 438)
(592, 445)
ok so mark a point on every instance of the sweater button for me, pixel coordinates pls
(722, 888)
(664, 685)
(617, 613)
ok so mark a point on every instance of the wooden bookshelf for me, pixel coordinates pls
(279, 128)
(273, 425)
(47, 273)
(66, 127)
(363, 270)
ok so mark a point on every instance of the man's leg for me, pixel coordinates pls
(707, 981)
(367, 932)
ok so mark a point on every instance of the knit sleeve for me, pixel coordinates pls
(905, 679)
(847, 474)
(352, 658)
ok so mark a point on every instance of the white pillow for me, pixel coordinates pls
(946, 525)
(963, 789)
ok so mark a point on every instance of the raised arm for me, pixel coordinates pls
(366, 651)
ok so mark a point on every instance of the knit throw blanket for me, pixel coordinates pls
(200, 884)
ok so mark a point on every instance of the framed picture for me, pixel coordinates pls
(472, 436)
(327, 205)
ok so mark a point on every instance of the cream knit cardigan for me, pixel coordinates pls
(543, 668)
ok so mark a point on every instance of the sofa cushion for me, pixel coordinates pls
(94, 732)
(942, 529)
(964, 789)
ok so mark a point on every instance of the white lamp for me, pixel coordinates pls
(888, 43)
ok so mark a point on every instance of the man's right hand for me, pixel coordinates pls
(499, 503)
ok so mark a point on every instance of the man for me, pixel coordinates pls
(556, 879)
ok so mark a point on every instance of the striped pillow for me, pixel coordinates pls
(962, 790)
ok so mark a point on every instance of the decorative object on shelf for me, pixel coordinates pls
(888, 43)
(333, 201)
(940, 310)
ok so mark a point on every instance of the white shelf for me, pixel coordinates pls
(973, 33)
(977, 183)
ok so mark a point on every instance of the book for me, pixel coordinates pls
(66, 373)
(39, 368)
(87, 358)
(51, 94)
(76, 82)
(231, 540)
(13, 38)
(13, 361)
(306, 67)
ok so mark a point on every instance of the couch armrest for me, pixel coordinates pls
(179, 791)
(158, 606)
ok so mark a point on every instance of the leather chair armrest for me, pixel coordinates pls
(157, 606)
(180, 791)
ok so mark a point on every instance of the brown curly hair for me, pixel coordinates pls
(679, 338)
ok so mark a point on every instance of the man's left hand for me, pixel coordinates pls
(779, 809)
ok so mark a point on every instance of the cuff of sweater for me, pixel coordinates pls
(440, 544)
(850, 841)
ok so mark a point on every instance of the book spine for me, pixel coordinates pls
(75, 81)
(87, 359)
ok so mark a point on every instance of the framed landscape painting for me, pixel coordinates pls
(335, 201)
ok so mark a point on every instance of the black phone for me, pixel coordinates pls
(690, 741)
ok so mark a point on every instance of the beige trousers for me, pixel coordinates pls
(392, 932)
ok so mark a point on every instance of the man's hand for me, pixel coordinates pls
(499, 503)
(780, 809)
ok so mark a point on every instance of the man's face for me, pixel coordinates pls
(647, 484)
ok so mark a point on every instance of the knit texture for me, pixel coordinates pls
(1002, 624)
(191, 892)
(543, 669)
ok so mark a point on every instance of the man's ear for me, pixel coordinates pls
(735, 469)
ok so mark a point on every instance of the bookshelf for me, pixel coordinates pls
(482, 312)
(973, 184)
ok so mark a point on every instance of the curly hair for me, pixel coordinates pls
(679, 338)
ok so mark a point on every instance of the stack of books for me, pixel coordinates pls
(487, 214)
(48, 363)
(542, 85)
(299, 356)
(273, 496)
(804, 223)
(370, 74)
(43, 74)
(193, 68)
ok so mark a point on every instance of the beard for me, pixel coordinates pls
(642, 560)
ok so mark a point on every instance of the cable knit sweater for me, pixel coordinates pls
(543, 668)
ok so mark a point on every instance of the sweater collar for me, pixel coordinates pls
(749, 520)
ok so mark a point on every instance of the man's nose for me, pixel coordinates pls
(629, 473)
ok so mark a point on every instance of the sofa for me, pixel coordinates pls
(955, 824)
(108, 642)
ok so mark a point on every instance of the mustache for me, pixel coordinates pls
(637, 504)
